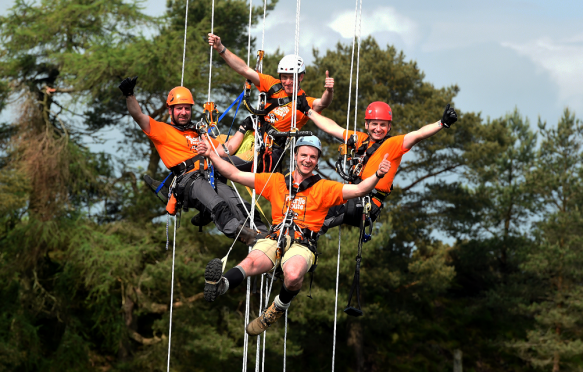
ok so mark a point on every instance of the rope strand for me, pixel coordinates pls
(184, 49)
(211, 50)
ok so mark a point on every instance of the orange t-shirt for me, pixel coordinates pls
(281, 117)
(311, 205)
(392, 146)
(173, 145)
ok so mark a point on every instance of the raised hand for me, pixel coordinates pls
(329, 83)
(449, 116)
(215, 42)
(384, 167)
(302, 104)
(127, 86)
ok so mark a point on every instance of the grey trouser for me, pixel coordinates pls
(227, 217)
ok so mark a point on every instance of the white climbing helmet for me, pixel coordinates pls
(290, 64)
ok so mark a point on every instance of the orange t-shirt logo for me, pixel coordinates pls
(298, 206)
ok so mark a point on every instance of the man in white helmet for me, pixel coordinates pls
(299, 222)
(279, 95)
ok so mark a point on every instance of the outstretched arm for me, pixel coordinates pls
(366, 186)
(233, 61)
(327, 125)
(449, 117)
(321, 103)
(127, 88)
(228, 170)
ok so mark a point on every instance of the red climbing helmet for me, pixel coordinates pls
(378, 111)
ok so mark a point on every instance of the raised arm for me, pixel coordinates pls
(321, 103)
(233, 61)
(366, 186)
(127, 88)
(327, 125)
(226, 169)
(449, 117)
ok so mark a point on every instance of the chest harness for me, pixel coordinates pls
(268, 134)
(307, 237)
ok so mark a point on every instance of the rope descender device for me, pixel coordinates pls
(211, 114)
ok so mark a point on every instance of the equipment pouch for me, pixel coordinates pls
(172, 206)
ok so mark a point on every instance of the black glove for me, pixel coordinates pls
(302, 104)
(247, 123)
(127, 86)
(449, 116)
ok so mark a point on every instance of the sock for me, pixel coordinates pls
(235, 276)
(285, 295)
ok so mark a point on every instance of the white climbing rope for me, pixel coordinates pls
(174, 243)
(184, 49)
(171, 296)
(211, 50)
(357, 20)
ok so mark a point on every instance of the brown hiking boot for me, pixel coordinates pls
(267, 318)
(249, 236)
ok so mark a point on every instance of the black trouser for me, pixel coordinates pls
(337, 216)
(228, 212)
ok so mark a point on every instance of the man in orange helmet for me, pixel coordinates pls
(177, 144)
(279, 94)
(369, 150)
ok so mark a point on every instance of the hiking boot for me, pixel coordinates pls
(153, 184)
(267, 318)
(215, 284)
(249, 236)
(203, 218)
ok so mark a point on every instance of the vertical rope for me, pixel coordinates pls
(264, 13)
(248, 292)
(184, 50)
(211, 50)
(258, 353)
(357, 67)
(345, 142)
(336, 298)
(171, 297)
(350, 82)
(285, 341)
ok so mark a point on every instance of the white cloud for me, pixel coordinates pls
(563, 60)
(381, 19)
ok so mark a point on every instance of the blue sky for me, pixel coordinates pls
(501, 54)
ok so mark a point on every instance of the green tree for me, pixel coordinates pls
(555, 339)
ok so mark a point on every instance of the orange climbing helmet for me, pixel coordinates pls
(378, 111)
(179, 96)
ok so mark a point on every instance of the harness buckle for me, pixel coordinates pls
(367, 205)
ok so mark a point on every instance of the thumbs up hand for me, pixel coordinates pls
(329, 83)
(384, 167)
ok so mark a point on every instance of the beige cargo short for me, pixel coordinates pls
(269, 247)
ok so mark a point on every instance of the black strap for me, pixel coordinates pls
(350, 310)
(187, 165)
(306, 184)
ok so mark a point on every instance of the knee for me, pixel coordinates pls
(293, 278)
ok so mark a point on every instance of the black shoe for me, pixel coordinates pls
(153, 184)
(203, 218)
(249, 236)
(215, 284)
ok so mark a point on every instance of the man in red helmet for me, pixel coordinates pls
(370, 148)
(177, 144)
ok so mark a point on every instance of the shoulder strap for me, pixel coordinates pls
(306, 184)
(275, 88)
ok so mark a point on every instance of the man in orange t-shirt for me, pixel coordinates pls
(298, 210)
(279, 92)
(177, 143)
(370, 149)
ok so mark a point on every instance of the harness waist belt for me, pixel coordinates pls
(187, 165)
